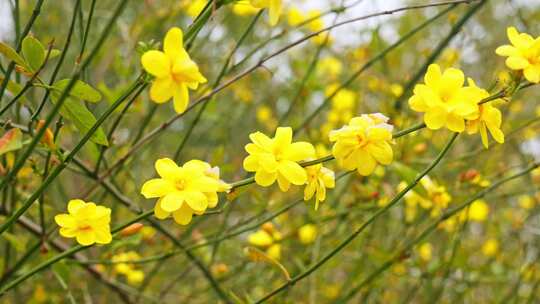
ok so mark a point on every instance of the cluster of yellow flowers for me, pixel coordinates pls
(434, 197)
(184, 190)
(127, 269)
(267, 238)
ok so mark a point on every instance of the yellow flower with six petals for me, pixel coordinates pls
(174, 71)
(277, 158)
(87, 222)
(444, 99)
(363, 143)
(183, 190)
(523, 54)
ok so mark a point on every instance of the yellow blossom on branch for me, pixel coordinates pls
(363, 143)
(174, 71)
(277, 158)
(444, 99)
(318, 179)
(523, 54)
(87, 222)
(184, 190)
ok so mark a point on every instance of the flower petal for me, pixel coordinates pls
(181, 98)
(172, 201)
(293, 172)
(157, 187)
(156, 63)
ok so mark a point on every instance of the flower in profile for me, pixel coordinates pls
(87, 222)
(489, 118)
(277, 158)
(318, 179)
(523, 54)
(184, 190)
(174, 71)
(363, 143)
(275, 8)
(124, 266)
(444, 99)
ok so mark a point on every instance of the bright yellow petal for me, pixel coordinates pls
(532, 73)
(516, 63)
(173, 44)
(157, 187)
(365, 162)
(183, 215)
(265, 179)
(161, 90)
(299, 151)
(159, 212)
(156, 63)
(167, 168)
(181, 98)
(74, 205)
(172, 201)
(103, 236)
(86, 238)
(196, 200)
(64, 220)
(283, 137)
(433, 75)
(435, 119)
(455, 123)
(293, 172)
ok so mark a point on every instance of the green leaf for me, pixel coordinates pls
(14, 88)
(54, 53)
(11, 141)
(10, 53)
(75, 111)
(34, 52)
(80, 90)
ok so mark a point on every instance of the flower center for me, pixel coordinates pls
(362, 141)
(180, 184)
(85, 228)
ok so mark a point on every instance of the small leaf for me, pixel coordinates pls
(14, 88)
(34, 52)
(11, 141)
(75, 111)
(10, 53)
(80, 90)
(54, 53)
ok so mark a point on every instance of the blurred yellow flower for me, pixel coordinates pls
(425, 251)
(87, 222)
(444, 100)
(174, 71)
(490, 247)
(277, 158)
(268, 237)
(124, 267)
(523, 55)
(363, 143)
(318, 179)
(478, 211)
(526, 201)
(195, 7)
(275, 8)
(184, 190)
(307, 234)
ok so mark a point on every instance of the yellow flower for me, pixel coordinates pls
(195, 7)
(478, 211)
(244, 8)
(318, 179)
(174, 71)
(425, 251)
(307, 234)
(294, 16)
(185, 190)
(490, 247)
(330, 67)
(275, 8)
(490, 118)
(444, 100)
(277, 158)
(526, 201)
(124, 267)
(363, 143)
(523, 55)
(87, 222)
(267, 238)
